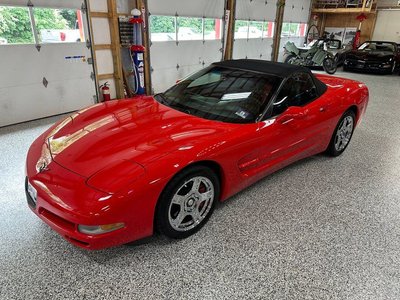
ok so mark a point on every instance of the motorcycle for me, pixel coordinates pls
(316, 56)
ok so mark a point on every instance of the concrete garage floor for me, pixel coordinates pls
(320, 229)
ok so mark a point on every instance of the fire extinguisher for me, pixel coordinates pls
(105, 91)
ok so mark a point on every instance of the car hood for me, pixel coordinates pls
(138, 129)
(370, 55)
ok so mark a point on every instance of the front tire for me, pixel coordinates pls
(342, 135)
(187, 202)
(393, 68)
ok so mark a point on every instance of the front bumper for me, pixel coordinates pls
(368, 67)
(65, 220)
(64, 201)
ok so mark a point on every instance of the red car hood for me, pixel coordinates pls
(138, 129)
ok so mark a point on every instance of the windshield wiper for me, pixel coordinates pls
(160, 97)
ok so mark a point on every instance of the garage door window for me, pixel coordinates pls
(294, 29)
(168, 28)
(59, 25)
(255, 29)
(162, 28)
(190, 29)
(15, 26)
(241, 29)
(212, 29)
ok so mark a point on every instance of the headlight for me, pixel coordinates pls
(44, 159)
(99, 229)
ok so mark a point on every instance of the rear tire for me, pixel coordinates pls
(187, 202)
(342, 134)
(289, 58)
(329, 65)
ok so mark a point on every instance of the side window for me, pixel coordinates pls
(298, 90)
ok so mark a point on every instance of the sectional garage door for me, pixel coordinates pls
(48, 73)
(387, 26)
(185, 37)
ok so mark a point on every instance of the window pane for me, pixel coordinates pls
(212, 29)
(190, 28)
(255, 29)
(15, 25)
(303, 29)
(285, 30)
(297, 91)
(241, 29)
(268, 29)
(162, 28)
(294, 29)
(59, 25)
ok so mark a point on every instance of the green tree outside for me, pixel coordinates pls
(15, 25)
(162, 24)
(166, 24)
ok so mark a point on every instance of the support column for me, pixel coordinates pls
(229, 27)
(116, 48)
(280, 9)
(143, 7)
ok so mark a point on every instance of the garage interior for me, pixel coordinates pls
(321, 228)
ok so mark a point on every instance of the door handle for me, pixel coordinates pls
(322, 109)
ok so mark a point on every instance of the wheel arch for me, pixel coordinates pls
(355, 110)
(211, 164)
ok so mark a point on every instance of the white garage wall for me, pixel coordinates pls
(387, 3)
(253, 48)
(190, 56)
(257, 10)
(387, 26)
(171, 61)
(187, 8)
(297, 11)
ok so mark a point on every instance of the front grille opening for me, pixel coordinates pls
(67, 225)
(76, 242)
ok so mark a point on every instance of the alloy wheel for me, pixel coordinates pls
(191, 203)
(343, 133)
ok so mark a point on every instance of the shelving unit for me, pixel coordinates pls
(114, 46)
(344, 6)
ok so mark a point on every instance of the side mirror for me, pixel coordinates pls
(312, 92)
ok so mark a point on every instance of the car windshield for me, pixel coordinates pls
(222, 94)
(372, 46)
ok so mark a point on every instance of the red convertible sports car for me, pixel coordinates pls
(118, 171)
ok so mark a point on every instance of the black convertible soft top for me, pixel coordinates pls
(272, 68)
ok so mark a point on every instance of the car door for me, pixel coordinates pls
(293, 128)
